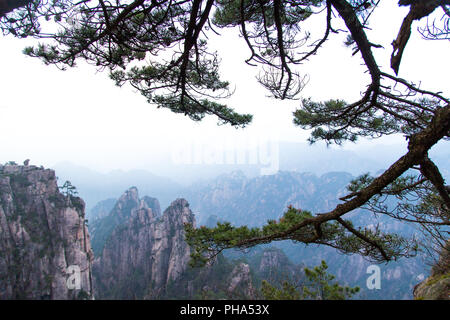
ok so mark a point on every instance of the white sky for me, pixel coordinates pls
(79, 115)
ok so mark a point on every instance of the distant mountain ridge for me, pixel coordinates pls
(121, 212)
(240, 200)
(244, 200)
(167, 180)
(143, 251)
(94, 187)
(252, 201)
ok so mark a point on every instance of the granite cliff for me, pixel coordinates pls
(144, 255)
(45, 250)
(145, 250)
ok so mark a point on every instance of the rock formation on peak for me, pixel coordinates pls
(144, 252)
(240, 282)
(146, 257)
(124, 208)
(45, 250)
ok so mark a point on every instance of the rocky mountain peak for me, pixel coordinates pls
(273, 259)
(144, 253)
(179, 211)
(128, 201)
(153, 204)
(128, 207)
(240, 282)
(44, 239)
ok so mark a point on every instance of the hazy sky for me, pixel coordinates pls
(79, 115)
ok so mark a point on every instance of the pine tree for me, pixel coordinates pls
(132, 39)
(320, 285)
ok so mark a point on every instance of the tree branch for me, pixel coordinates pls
(418, 146)
(431, 171)
(7, 6)
(363, 237)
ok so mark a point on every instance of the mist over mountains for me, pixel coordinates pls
(166, 177)
(94, 186)
(309, 177)
(131, 186)
(252, 201)
(123, 224)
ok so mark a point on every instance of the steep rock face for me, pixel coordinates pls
(276, 266)
(153, 204)
(129, 202)
(174, 219)
(240, 282)
(273, 259)
(146, 257)
(45, 250)
(101, 209)
(146, 252)
(270, 264)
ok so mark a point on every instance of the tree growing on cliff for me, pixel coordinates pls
(160, 47)
(68, 189)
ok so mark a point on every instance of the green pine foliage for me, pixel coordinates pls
(288, 291)
(323, 286)
(208, 242)
(161, 49)
(319, 285)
